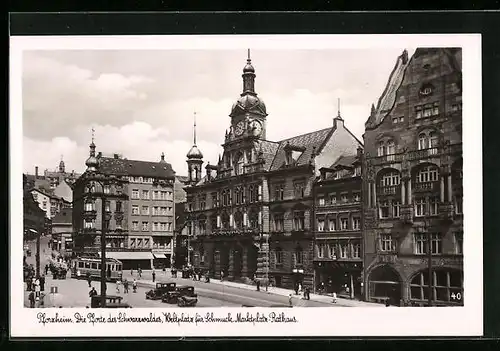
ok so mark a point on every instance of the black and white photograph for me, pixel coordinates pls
(285, 177)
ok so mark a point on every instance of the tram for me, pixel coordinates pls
(81, 267)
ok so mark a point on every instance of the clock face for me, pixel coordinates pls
(239, 128)
(256, 128)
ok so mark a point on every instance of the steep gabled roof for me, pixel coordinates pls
(346, 161)
(269, 149)
(306, 141)
(120, 166)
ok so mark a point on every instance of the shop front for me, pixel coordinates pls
(133, 259)
(162, 259)
(343, 278)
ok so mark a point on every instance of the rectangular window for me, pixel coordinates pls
(164, 211)
(420, 206)
(320, 249)
(418, 112)
(420, 244)
(163, 195)
(433, 206)
(156, 226)
(89, 206)
(44, 205)
(395, 120)
(107, 206)
(401, 119)
(321, 201)
(435, 109)
(356, 223)
(145, 195)
(156, 195)
(132, 243)
(135, 193)
(135, 225)
(321, 225)
(356, 197)
(331, 251)
(298, 220)
(333, 199)
(163, 226)
(428, 110)
(279, 222)
(279, 257)
(386, 243)
(88, 224)
(145, 210)
(344, 224)
(343, 249)
(396, 206)
(459, 243)
(343, 198)
(118, 206)
(135, 209)
(436, 243)
(107, 189)
(384, 209)
(279, 192)
(298, 257)
(299, 189)
(356, 249)
(332, 224)
(145, 226)
(146, 243)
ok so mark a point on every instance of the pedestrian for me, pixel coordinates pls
(132, 272)
(221, 276)
(37, 287)
(164, 269)
(134, 286)
(387, 303)
(308, 293)
(300, 287)
(33, 282)
(296, 289)
(31, 298)
(118, 285)
(290, 300)
(92, 292)
(258, 285)
(139, 271)
(46, 269)
(334, 297)
(125, 286)
(89, 279)
(154, 275)
(28, 282)
(42, 283)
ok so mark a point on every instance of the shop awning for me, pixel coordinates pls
(129, 255)
(159, 255)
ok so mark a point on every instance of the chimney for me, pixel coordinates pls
(36, 172)
(116, 156)
(99, 154)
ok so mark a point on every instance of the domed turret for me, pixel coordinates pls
(92, 162)
(62, 167)
(195, 153)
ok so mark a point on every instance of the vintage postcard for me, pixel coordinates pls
(298, 185)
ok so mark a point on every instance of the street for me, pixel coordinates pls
(74, 292)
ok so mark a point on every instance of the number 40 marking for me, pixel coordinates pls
(456, 296)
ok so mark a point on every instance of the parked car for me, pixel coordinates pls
(181, 290)
(160, 290)
(112, 301)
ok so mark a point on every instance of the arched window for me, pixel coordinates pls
(252, 193)
(253, 219)
(433, 143)
(298, 256)
(239, 163)
(422, 141)
(238, 220)
(391, 147)
(225, 221)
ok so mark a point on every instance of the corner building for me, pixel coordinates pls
(412, 185)
(250, 215)
(139, 210)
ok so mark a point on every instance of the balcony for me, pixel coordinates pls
(389, 190)
(424, 153)
(406, 214)
(425, 187)
(225, 173)
(235, 231)
(387, 159)
(90, 214)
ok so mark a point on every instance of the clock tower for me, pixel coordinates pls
(248, 114)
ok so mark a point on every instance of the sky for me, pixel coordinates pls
(142, 102)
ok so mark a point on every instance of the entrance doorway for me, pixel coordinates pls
(385, 284)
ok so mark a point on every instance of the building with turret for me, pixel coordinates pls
(250, 214)
(139, 210)
(412, 183)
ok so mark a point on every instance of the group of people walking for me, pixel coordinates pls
(36, 287)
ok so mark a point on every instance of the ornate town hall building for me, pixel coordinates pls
(250, 215)
(412, 183)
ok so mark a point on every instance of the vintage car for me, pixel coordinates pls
(180, 291)
(112, 301)
(160, 290)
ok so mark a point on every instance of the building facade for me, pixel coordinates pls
(139, 210)
(57, 177)
(413, 182)
(250, 215)
(62, 232)
(338, 256)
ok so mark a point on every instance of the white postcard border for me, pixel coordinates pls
(335, 321)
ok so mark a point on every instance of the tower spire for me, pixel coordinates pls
(338, 107)
(93, 132)
(194, 129)
(249, 59)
